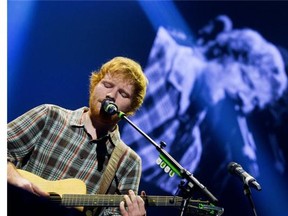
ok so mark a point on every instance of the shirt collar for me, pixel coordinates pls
(76, 117)
(115, 135)
(76, 120)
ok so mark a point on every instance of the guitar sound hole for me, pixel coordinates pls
(171, 200)
(55, 198)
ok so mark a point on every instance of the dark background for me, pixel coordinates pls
(53, 46)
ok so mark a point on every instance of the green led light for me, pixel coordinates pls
(173, 168)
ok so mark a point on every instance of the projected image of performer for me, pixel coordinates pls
(216, 84)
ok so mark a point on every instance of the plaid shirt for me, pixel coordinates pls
(52, 143)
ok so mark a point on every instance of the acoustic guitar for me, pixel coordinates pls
(72, 193)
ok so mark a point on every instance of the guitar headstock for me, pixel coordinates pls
(203, 208)
(194, 207)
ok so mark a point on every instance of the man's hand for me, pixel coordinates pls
(135, 205)
(14, 178)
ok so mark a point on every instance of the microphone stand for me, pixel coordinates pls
(172, 163)
(247, 192)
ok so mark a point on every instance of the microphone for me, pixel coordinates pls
(237, 169)
(109, 107)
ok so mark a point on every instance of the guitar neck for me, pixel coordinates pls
(60, 193)
(73, 200)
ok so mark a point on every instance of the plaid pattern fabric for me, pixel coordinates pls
(165, 114)
(52, 143)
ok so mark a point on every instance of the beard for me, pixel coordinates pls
(99, 114)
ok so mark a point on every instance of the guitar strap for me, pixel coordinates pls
(115, 160)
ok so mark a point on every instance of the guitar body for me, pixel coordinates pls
(65, 186)
(60, 187)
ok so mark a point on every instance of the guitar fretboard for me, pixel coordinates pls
(74, 200)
